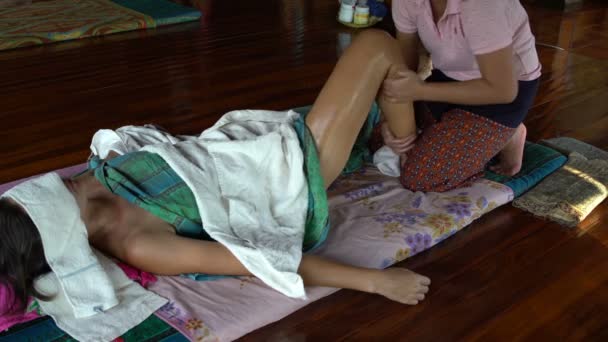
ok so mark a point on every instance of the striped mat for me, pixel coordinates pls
(45, 329)
(44, 22)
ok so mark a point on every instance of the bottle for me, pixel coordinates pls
(346, 11)
(362, 15)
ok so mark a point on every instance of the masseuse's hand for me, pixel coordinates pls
(402, 86)
(399, 145)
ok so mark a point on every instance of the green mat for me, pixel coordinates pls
(539, 162)
(45, 329)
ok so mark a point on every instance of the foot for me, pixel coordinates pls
(511, 156)
(402, 285)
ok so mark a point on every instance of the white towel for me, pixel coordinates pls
(131, 138)
(246, 173)
(387, 161)
(89, 291)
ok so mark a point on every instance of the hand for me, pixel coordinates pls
(399, 145)
(401, 285)
(401, 86)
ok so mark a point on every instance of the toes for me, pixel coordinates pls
(419, 297)
(423, 289)
(424, 280)
(411, 302)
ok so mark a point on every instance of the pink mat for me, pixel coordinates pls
(375, 223)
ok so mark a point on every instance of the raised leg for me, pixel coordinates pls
(344, 102)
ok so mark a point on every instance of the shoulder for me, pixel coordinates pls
(411, 7)
(470, 8)
(490, 15)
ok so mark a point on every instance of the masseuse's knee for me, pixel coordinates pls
(415, 178)
(429, 168)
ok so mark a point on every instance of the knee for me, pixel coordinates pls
(427, 180)
(374, 35)
(376, 39)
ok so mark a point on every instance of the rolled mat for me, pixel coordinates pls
(571, 193)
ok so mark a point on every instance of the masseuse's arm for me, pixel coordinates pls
(497, 84)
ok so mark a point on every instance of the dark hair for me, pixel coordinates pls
(21, 255)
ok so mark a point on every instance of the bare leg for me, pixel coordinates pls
(511, 156)
(344, 102)
(335, 121)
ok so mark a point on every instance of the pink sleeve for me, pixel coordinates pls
(404, 15)
(485, 26)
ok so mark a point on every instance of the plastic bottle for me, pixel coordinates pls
(361, 15)
(346, 13)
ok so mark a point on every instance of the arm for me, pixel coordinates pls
(497, 84)
(168, 254)
(489, 36)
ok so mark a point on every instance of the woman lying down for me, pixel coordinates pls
(236, 200)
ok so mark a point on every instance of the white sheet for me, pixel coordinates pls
(246, 173)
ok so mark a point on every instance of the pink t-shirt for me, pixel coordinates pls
(469, 28)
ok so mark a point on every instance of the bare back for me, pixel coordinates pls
(112, 221)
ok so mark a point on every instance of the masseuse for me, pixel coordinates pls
(485, 77)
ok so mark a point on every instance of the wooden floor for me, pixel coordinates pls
(508, 276)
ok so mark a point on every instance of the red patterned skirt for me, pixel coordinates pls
(452, 152)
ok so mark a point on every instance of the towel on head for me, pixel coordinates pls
(87, 287)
